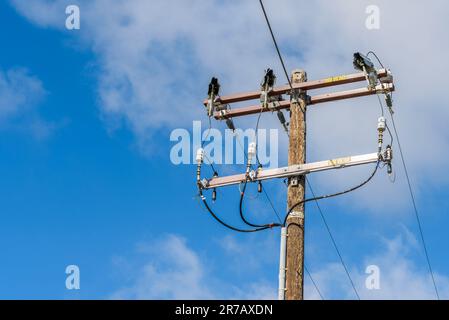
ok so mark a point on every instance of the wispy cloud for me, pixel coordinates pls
(21, 93)
(171, 269)
(402, 275)
(156, 58)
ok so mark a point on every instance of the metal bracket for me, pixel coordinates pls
(252, 175)
(296, 170)
(273, 105)
(264, 99)
(298, 94)
(371, 78)
(215, 105)
(223, 113)
(220, 107)
(294, 181)
(269, 102)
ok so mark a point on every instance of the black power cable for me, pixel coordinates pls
(418, 220)
(263, 189)
(277, 48)
(203, 199)
(331, 195)
(243, 216)
(333, 240)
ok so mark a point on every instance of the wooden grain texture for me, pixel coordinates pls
(295, 223)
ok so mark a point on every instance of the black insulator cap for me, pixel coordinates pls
(214, 87)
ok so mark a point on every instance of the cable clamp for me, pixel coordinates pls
(219, 106)
(372, 80)
(273, 103)
(223, 113)
(269, 102)
(388, 78)
(252, 175)
(386, 155)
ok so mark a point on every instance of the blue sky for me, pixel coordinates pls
(86, 178)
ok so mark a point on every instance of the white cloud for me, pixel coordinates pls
(156, 59)
(20, 95)
(400, 276)
(173, 270)
(19, 92)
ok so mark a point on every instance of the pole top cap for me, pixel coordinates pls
(299, 75)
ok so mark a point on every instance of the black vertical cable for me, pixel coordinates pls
(277, 47)
(333, 240)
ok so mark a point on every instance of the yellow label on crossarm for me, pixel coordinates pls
(339, 161)
(334, 79)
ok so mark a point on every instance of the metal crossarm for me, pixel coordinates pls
(295, 170)
(322, 98)
(310, 85)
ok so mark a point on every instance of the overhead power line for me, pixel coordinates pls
(313, 282)
(276, 46)
(332, 239)
(410, 189)
(415, 208)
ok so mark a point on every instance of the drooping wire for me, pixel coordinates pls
(277, 48)
(208, 132)
(331, 195)
(382, 110)
(332, 239)
(242, 216)
(208, 208)
(209, 162)
(315, 198)
(291, 87)
(412, 196)
(203, 198)
(263, 189)
(381, 105)
(271, 205)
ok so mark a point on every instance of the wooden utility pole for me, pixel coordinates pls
(296, 192)
(291, 267)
